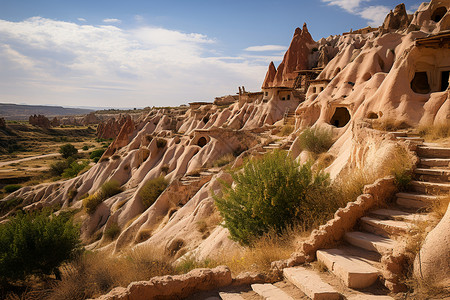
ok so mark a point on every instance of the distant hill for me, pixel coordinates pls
(22, 112)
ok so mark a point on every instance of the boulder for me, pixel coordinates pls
(433, 262)
(397, 19)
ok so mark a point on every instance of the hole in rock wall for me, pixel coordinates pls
(202, 141)
(314, 90)
(420, 84)
(337, 71)
(288, 97)
(367, 76)
(438, 14)
(205, 119)
(341, 117)
(444, 80)
(372, 115)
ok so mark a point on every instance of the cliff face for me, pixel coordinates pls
(270, 76)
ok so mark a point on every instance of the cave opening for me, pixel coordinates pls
(202, 141)
(444, 80)
(420, 84)
(438, 14)
(340, 117)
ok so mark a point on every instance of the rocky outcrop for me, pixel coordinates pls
(90, 119)
(39, 121)
(173, 287)
(55, 122)
(270, 76)
(295, 59)
(397, 19)
(2, 123)
(111, 128)
(432, 264)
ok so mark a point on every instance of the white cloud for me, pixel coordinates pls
(48, 61)
(112, 21)
(374, 14)
(81, 19)
(266, 48)
(348, 5)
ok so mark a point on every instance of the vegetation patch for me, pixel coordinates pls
(112, 231)
(11, 188)
(36, 243)
(151, 190)
(224, 160)
(68, 150)
(274, 192)
(96, 154)
(315, 140)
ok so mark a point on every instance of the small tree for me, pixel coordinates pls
(273, 192)
(36, 243)
(68, 150)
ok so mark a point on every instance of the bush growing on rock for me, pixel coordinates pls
(272, 193)
(316, 140)
(96, 154)
(74, 169)
(91, 202)
(36, 243)
(152, 189)
(110, 188)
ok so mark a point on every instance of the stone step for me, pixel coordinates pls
(435, 162)
(386, 228)
(310, 283)
(369, 297)
(370, 241)
(270, 292)
(434, 172)
(432, 175)
(414, 139)
(397, 215)
(230, 296)
(399, 133)
(430, 187)
(433, 152)
(352, 270)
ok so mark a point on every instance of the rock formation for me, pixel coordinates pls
(40, 121)
(90, 119)
(111, 128)
(295, 59)
(397, 19)
(55, 122)
(2, 123)
(270, 76)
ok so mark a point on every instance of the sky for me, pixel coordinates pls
(139, 53)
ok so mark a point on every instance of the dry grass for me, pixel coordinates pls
(286, 130)
(94, 274)
(434, 132)
(224, 160)
(388, 124)
(439, 208)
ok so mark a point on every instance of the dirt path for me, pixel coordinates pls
(5, 163)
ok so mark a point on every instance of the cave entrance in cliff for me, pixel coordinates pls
(420, 84)
(444, 80)
(438, 14)
(340, 117)
(202, 141)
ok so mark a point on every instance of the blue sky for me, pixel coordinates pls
(156, 53)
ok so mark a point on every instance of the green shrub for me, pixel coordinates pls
(11, 188)
(57, 168)
(110, 188)
(316, 140)
(112, 231)
(272, 193)
(91, 202)
(68, 150)
(286, 130)
(152, 189)
(7, 205)
(74, 168)
(96, 154)
(85, 147)
(36, 243)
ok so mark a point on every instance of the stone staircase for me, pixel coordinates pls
(195, 178)
(355, 264)
(289, 117)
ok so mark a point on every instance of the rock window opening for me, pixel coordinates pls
(266, 94)
(283, 98)
(372, 115)
(438, 14)
(289, 96)
(341, 117)
(205, 119)
(321, 88)
(444, 80)
(314, 89)
(420, 84)
(202, 141)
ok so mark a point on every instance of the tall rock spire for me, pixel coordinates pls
(295, 59)
(270, 76)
